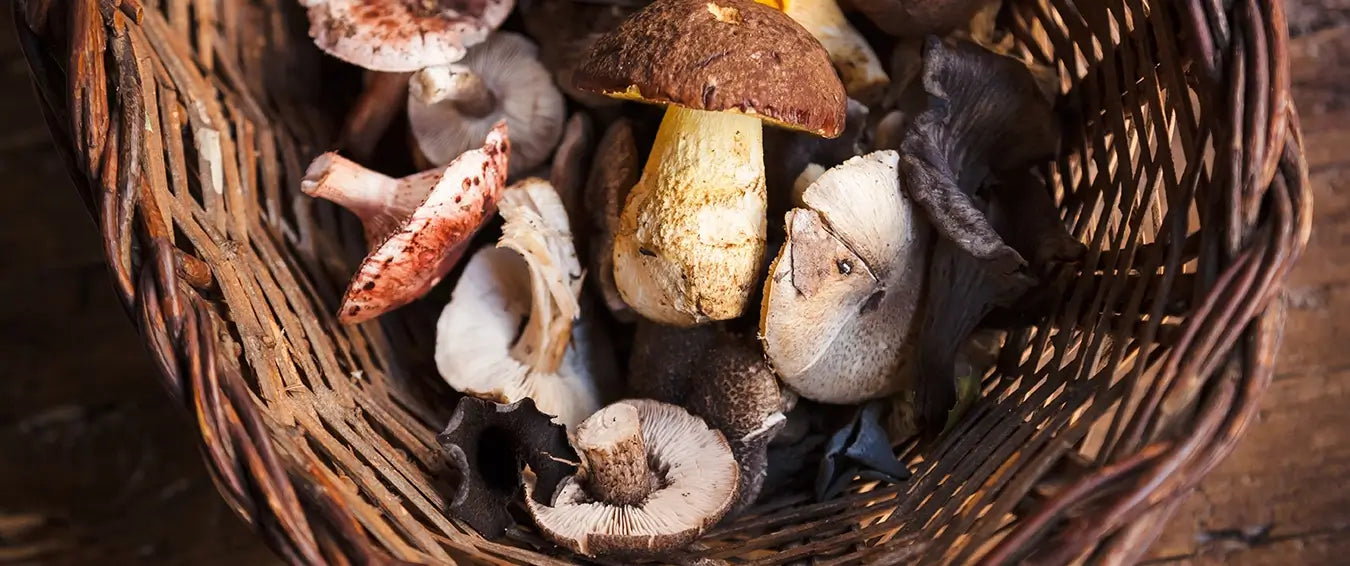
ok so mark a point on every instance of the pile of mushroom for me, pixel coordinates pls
(805, 297)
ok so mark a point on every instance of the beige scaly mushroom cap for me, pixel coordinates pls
(532, 275)
(841, 301)
(696, 477)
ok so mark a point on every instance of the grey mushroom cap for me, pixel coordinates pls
(402, 35)
(501, 79)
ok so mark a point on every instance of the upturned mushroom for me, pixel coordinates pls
(613, 172)
(691, 236)
(451, 107)
(416, 226)
(486, 446)
(858, 66)
(653, 477)
(402, 35)
(511, 329)
(842, 299)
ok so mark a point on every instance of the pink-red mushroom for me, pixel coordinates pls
(417, 226)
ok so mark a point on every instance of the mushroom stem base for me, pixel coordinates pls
(614, 455)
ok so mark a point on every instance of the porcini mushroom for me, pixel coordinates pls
(692, 234)
(451, 107)
(919, 17)
(653, 477)
(841, 301)
(613, 172)
(721, 376)
(857, 64)
(532, 277)
(402, 35)
(486, 445)
(416, 226)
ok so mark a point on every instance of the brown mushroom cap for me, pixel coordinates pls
(723, 56)
(695, 480)
(402, 35)
(919, 17)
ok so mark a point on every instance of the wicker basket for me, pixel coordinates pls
(187, 126)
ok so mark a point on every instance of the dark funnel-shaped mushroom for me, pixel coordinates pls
(487, 444)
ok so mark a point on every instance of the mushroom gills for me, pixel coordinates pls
(691, 236)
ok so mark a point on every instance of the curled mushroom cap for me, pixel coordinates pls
(451, 107)
(416, 226)
(653, 477)
(486, 445)
(841, 299)
(402, 35)
(691, 237)
(533, 276)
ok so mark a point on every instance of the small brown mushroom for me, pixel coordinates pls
(512, 329)
(653, 477)
(381, 101)
(451, 107)
(691, 237)
(416, 226)
(919, 17)
(486, 445)
(864, 79)
(568, 174)
(614, 171)
(841, 301)
(565, 30)
(402, 35)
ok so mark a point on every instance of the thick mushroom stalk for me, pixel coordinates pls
(511, 329)
(864, 78)
(691, 237)
(416, 226)
(452, 106)
(841, 302)
(626, 502)
(692, 233)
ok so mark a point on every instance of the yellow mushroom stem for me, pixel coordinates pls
(863, 76)
(691, 236)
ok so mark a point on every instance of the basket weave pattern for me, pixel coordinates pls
(187, 126)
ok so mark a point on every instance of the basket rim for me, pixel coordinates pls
(1242, 58)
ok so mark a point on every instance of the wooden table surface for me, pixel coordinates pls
(98, 466)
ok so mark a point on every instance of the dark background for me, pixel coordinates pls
(97, 465)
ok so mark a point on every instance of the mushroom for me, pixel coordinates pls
(486, 444)
(692, 234)
(841, 301)
(858, 66)
(380, 102)
(452, 106)
(568, 173)
(402, 35)
(987, 113)
(416, 226)
(721, 376)
(613, 173)
(508, 332)
(653, 477)
(919, 17)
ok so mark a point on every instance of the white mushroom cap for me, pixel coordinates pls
(695, 481)
(533, 276)
(451, 108)
(841, 300)
(402, 35)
